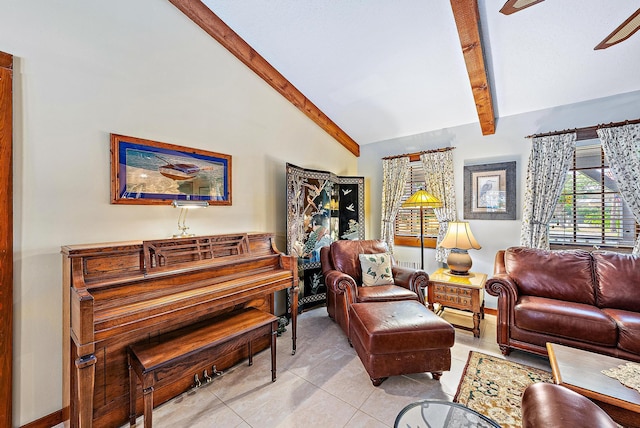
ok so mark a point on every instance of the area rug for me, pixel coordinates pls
(493, 386)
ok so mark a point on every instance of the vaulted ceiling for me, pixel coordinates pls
(381, 69)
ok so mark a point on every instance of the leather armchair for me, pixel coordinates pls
(548, 405)
(343, 277)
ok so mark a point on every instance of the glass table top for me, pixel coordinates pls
(440, 414)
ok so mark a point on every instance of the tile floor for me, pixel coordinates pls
(323, 385)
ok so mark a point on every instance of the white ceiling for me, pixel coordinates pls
(382, 69)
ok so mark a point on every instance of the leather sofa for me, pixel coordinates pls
(587, 300)
(343, 277)
(547, 405)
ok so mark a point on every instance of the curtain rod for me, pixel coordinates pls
(444, 149)
(588, 129)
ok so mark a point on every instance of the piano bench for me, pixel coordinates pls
(168, 356)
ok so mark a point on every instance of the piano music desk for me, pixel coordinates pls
(172, 354)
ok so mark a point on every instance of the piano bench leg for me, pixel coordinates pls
(148, 407)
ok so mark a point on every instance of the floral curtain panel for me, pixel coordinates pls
(394, 176)
(621, 145)
(439, 180)
(549, 162)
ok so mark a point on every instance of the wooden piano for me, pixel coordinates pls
(117, 294)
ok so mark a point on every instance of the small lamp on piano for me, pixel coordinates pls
(185, 206)
(459, 239)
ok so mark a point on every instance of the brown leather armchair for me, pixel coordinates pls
(548, 405)
(343, 278)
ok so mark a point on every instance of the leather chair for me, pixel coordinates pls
(548, 405)
(343, 277)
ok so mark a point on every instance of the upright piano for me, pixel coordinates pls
(117, 294)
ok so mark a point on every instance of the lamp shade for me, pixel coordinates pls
(422, 199)
(459, 236)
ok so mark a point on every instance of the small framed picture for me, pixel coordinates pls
(490, 191)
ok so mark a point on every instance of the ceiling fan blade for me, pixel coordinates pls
(623, 32)
(512, 6)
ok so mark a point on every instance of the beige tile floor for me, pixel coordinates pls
(323, 385)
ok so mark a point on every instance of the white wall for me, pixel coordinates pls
(140, 68)
(507, 144)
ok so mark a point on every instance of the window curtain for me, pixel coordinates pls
(621, 145)
(549, 162)
(394, 177)
(438, 175)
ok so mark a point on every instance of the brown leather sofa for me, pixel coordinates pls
(546, 405)
(343, 278)
(587, 300)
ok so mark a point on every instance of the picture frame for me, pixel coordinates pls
(146, 172)
(490, 191)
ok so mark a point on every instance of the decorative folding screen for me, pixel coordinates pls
(321, 208)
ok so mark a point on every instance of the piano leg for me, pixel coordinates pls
(274, 334)
(85, 375)
(132, 393)
(294, 317)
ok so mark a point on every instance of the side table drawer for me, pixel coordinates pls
(464, 292)
(439, 288)
(446, 298)
(465, 301)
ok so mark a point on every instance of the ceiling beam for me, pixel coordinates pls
(199, 13)
(467, 19)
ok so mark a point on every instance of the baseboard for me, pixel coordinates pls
(50, 420)
(491, 311)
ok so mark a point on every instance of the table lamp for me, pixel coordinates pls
(422, 199)
(185, 206)
(459, 239)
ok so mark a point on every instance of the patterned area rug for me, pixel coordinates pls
(493, 387)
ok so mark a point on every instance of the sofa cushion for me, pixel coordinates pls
(618, 279)
(345, 253)
(385, 293)
(628, 329)
(565, 319)
(562, 275)
(376, 269)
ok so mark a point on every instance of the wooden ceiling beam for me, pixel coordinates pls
(467, 20)
(200, 14)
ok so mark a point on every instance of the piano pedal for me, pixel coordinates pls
(215, 372)
(206, 377)
(197, 383)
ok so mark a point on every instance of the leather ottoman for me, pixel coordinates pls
(395, 338)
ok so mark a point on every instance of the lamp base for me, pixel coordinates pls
(459, 262)
(184, 235)
(461, 274)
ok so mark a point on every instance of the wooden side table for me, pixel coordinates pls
(459, 292)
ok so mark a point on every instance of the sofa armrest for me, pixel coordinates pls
(502, 286)
(412, 279)
(505, 289)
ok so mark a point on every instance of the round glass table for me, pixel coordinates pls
(440, 414)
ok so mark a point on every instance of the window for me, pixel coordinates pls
(590, 211)
(407, 225)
